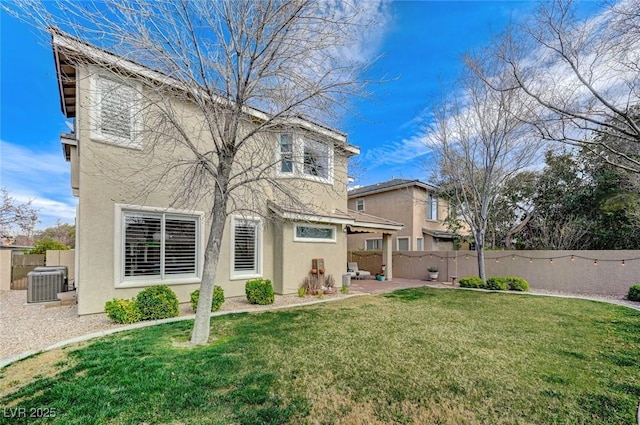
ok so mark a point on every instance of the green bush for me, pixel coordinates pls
(157, 302)
(123, 311)
(259, 291)
(216, 301)
(634, 293)
(517, 283)
(41, 246)
(497, 283)
(471, 282)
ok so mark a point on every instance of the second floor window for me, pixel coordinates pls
(115, 117)
(316, 159)
(303, 157)
(432, 207)
(286, 153)
(359, 204)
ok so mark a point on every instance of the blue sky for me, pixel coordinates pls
(421, 44)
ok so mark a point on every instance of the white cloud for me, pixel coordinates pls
(372, 24)
(397, 152)
(40, 176)
(18, 159)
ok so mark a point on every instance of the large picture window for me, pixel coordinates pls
(159, 246)
(304, 157)
(246, 248)
(115, 118)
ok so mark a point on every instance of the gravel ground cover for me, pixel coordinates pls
(25, 327)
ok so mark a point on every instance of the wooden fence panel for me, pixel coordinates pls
(21, 265)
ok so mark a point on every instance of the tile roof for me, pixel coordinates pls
(388, 185)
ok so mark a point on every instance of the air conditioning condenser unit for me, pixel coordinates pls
(44, 286)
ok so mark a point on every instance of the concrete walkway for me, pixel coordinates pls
(28, 329)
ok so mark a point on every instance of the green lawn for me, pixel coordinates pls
(415, 356)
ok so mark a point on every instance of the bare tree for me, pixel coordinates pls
(248, 68)
(16, 216)
(480, 143)
(582, 76)
(569, 233)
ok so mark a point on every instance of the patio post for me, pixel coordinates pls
(387, 255)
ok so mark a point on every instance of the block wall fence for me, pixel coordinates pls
(579, 272)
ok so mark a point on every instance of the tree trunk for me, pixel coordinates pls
(202, 323)
(480, 251)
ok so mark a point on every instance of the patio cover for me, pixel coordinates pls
(355, 221)
(438, 234)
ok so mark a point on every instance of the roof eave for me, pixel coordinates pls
(61, 41)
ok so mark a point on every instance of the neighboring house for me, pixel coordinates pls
(410, 202)
(130, 234)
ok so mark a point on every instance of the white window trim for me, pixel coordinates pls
(233, 275)
(418, 240)
(94, 112)
(315, 240)
(142, 281)
(298, 159)
(372, 239)
(408, 239)
(360, 200)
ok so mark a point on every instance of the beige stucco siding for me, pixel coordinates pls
(108, 176)
(395, 205)
(407, 206)
(297, 257)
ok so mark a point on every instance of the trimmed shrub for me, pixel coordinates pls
(497, 283)
(259, 291)
(216, 301)
(634, 293)
(157, 302)
(471, 282)
(517, 283)
(123, 311)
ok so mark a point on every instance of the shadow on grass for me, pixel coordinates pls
(411, 294)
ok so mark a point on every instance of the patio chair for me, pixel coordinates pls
(355, 272)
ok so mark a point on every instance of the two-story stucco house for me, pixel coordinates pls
(411, 202)
(131, 232)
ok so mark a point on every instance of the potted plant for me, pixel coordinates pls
(433, 273)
